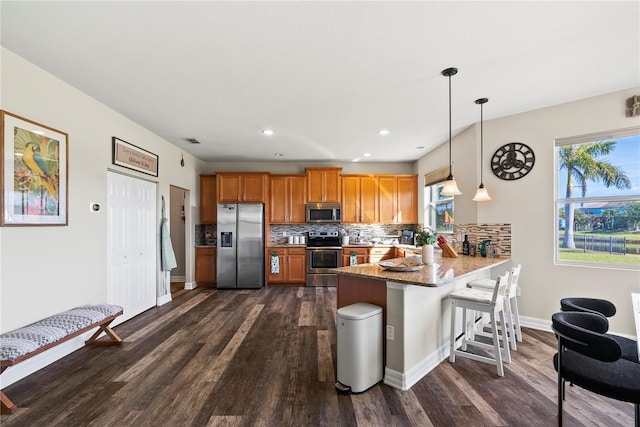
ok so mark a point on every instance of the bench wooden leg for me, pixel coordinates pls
(6, 405)
(115, 339)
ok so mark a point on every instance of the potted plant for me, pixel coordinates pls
(426, 238)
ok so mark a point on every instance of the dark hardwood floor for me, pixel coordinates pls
(268, 357)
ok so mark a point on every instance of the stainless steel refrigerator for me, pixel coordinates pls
(240, 252)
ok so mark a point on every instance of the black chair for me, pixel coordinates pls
(607, 309)
(591, 359)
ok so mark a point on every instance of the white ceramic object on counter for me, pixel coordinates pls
(427, 254)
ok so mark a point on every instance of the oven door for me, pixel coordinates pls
(320, 260)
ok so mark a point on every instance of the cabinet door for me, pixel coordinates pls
(315, 186)
(253, 188)
(280, 277)
(208, 205)
(362, 256)
(387, 193)
(205, 266)
(407, 199)
(350, 200)
(323, 185)
(369, 199)
(332, 188)
(379, 254)
(228, 188)
(278, 209)
(297, 265)
(297, 200)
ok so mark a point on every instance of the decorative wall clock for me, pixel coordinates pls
(512, 161)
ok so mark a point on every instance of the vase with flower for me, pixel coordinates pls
(426, 238)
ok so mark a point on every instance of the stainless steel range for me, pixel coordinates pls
(323, 253)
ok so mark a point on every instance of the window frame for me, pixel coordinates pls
(561, 201)
(434, 181)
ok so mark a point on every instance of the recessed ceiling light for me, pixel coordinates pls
(367, 154)
(279, 155)
(383, 132)
(357, 159)
(268, 132)
(419, 147)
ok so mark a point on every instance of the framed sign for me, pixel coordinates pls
(34, 179)
(131, 157)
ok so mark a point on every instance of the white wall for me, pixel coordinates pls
(46, 270)
(528, 203)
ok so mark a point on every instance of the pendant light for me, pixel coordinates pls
(450, 187)
(481, 194)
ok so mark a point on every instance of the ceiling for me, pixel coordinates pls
(326, 76)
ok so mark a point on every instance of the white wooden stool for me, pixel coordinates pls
(486, 302)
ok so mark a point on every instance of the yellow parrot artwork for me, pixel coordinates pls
(36, 164)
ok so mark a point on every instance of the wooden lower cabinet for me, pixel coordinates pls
(293, 266)
(206, 266)
(362, 255)
(368, 254)
(377, 254)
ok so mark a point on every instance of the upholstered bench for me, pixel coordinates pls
(24, 343)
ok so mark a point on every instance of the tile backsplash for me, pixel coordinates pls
(499, 234)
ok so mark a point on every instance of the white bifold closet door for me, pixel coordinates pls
(131, 274)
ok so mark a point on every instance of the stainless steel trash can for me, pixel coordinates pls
(359, 347)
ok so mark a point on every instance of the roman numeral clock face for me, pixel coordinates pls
(512, 161)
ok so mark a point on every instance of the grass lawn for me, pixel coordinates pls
(598, 257)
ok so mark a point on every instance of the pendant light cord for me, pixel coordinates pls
(450, 167)
(481, 143)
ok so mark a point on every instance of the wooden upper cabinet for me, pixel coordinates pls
(407, 199)
(288, 196)
(208, 205)
(324, 185)
(247, 187)
(359, 199)
(383, 199)
(387, 193)
(369, 199)
(350, 206)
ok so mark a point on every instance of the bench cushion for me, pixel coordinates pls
(25, 340)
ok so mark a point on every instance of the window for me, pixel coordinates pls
(598, 199)
(438, 212)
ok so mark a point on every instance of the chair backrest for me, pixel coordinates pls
(501, 288)
(588, 305)
(513, 280)
(584, 333)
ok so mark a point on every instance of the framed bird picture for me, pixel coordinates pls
(34, 179)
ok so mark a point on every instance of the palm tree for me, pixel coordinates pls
(582, 166)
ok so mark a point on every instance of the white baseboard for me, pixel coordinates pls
(535, 323)
(189, 286)
(404, 381)
(161, 300)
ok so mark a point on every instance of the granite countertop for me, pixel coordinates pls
(443, 271)
(285, 245)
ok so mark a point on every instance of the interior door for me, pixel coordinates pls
(131, 224)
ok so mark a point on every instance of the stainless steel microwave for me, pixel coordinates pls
(323, 212)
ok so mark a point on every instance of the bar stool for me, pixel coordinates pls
(511, 303)
(486, 302)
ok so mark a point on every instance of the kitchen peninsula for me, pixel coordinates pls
(416, 311)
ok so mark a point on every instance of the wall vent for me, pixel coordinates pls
(192, 140)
